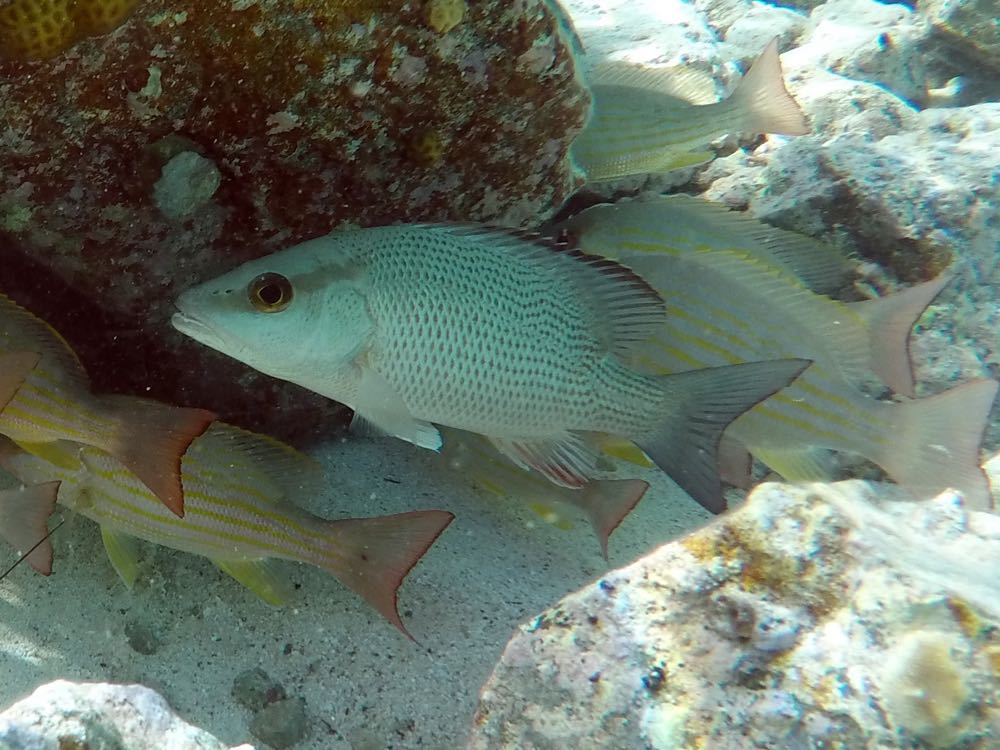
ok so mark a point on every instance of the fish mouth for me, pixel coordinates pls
(196, 329)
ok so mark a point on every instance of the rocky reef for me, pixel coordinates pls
(822, 616)
(80, 716)
(188, 137)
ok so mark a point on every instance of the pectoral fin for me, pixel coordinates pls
(381, 410)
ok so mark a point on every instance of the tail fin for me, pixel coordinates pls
(24, 516)
(702, 404)
(889, 321)
(606, 503)
(937, 441)
(373, 555)
(14, 368)
(151, 440)
(764, 100)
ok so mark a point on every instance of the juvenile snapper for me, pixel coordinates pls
(55, 403)
(605, 502)
(481, 330)
(642, 120)
(238, 516)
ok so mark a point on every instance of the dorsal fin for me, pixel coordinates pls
(290, 471)
(20, 330)
(680, 82)
(685, 222)
(629, 310)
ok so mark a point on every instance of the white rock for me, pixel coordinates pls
(836, 617)
(99, 715)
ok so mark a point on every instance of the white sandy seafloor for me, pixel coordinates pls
(365, 685)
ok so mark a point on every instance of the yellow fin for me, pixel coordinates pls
(551, 516)
(61, 453)
(257, 576)
(123, 552)
(805, 465)
(626, 450)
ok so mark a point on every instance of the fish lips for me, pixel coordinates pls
(196, 329)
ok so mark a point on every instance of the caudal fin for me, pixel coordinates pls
(14, 368)
(24, 515)
(373, 555)
(936, 443)
(889, 321)
(151, 439)
(764, 100)
(702, 404)
(606, 502)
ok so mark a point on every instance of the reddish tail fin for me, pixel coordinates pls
(889, 321)
(151, 439)
(373, 555)
(24, 515)
(606, 503)
(762, 96)
(14, 368)
(937, 440)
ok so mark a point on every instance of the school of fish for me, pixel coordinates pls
(661, 330)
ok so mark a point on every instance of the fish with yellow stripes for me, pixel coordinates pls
(237, 515)
(725, 306)
(645, 120)
(55, 403)
(605, 502)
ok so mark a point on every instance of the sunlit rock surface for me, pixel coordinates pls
(80, 716)
(819, 616)
(198, 135)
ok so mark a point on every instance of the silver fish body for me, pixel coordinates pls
(476, 329)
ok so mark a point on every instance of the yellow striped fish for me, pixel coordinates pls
(605, 502)
(641, 123)
(865, 338)
(55, 403)
(724, 307)
(237, 515)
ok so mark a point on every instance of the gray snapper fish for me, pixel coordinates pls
(483, 330)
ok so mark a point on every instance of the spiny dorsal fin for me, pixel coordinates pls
(287, 469)
(21, 330)
(680, 82)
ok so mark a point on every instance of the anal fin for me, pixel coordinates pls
(567, 461)
(259, 577)
(123, 552)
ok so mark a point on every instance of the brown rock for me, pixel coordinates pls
(199, 135)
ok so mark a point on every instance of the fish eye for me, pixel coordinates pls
(270, 292)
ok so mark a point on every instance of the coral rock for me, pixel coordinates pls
(814, 616)
(96, 715)
(297, 117)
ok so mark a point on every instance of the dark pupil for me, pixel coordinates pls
(270, 294)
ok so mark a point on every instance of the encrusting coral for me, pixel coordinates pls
(41, 29)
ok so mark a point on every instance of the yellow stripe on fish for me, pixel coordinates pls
(239, 517)
(55, 403)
